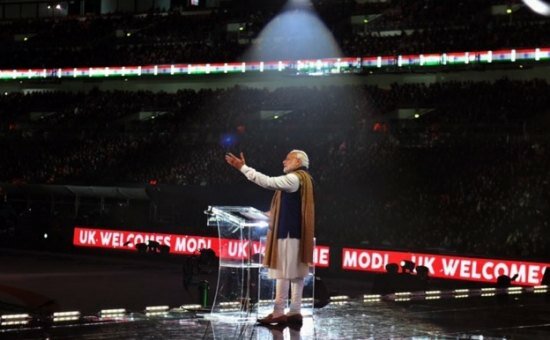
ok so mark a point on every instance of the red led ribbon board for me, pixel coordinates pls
(368, 260)
(179, 244)
(446, 266)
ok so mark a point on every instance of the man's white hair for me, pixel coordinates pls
(302, 156)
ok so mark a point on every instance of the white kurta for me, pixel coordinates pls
(289, 264)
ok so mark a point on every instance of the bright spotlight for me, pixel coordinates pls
(295, 33)
(538, 6)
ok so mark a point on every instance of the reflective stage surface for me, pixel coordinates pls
(40, 284)
(510, 317)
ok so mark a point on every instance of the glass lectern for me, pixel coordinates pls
(243, 290)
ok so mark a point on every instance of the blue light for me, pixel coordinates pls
(228, 140)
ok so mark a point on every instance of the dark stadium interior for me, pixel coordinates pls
(451, 159)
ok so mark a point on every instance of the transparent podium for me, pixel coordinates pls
(243, 291)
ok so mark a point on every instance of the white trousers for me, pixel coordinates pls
(290, 274)
(281, 294)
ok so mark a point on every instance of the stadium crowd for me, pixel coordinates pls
(224, 35)
(470, 174)
(477, 182)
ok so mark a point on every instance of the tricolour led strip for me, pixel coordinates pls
(313, 67)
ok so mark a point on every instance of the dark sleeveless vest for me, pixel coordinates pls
(290, 215)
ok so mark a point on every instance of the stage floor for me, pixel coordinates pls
(42, 283)
(522, 317)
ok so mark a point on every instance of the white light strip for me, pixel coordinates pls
(461, 291)
(66, 318)
(14, 316)
(111, 312)
(514, 288)
(63, 314)
(436, 297)
(403, 299)
(403, 293)
(228, 309)
(339, 298)
(13, 323)
(190, 306)
(156, 308)
(148, 314)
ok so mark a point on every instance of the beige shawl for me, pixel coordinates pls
(308, 223)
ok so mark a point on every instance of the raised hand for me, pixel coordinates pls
(234, 161)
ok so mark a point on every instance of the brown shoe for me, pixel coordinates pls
(269, 320)
(295, 319)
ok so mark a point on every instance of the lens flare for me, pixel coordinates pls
(538, 6)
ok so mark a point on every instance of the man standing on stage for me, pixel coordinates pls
(289, 247)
